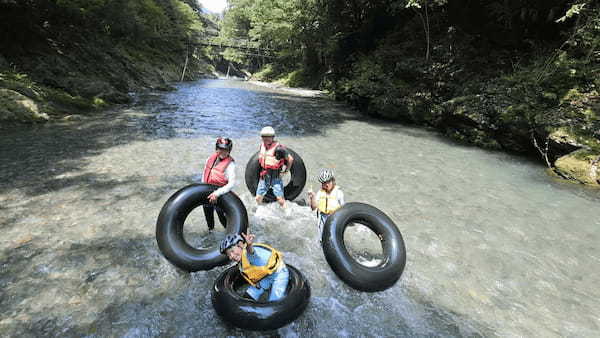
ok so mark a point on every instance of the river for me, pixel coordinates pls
(495, 247)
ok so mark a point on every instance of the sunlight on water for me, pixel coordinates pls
(494, 246)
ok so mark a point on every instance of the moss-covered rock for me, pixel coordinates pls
(581, 166)
(16, 107)
(572, 137)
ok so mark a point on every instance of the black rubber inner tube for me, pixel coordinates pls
(169, 226)
(356, 275)
(292, 189)
(249, 314)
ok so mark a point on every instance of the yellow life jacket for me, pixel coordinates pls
(252, 273)
(328, 203)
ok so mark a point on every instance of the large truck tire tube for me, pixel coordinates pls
(169, 227)
(356, 275)
(249, 314)
(290, 191)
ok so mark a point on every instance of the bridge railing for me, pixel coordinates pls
(233, 43)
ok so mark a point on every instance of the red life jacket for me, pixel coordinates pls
(215, 174)
(267, 159)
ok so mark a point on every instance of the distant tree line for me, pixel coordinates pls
(24, 24)
(327, 35)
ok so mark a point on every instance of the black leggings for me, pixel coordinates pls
(210, 216)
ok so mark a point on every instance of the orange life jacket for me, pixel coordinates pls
(215, 174)
(267, 159)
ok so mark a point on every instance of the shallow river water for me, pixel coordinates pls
(495, 247)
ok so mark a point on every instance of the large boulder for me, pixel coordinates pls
(563, 141)
(16, 107)
(570, 138)
(581, 166)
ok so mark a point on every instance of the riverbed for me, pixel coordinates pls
(495, 247)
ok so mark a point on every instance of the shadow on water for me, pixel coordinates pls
(95, 189)
(119, 285)
(78, 277)
(64, 283)
(122, 286)
(36, 158)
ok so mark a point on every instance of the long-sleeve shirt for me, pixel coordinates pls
(229, 174)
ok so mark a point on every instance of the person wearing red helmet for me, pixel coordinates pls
(219, 170)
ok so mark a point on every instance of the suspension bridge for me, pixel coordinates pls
(247, 47)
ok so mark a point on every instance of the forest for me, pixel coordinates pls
(515, 75)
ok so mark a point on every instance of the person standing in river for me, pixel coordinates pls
(219, 170)
(329, 199)
(274, 160)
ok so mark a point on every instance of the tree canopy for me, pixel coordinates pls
(132, 20)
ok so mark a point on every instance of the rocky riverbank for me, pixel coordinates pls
(74, 82)
(545, 106)
(59, 60)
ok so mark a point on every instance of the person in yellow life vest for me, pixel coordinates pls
(219, 170)
(328, 199)
(260, 265)
(274, 159)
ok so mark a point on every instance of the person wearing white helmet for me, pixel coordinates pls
(329, 199)
(261, 265)
(274, 159)
(219, 170)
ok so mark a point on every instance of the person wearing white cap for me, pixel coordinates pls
(274, 159)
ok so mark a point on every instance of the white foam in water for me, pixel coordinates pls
(268, 212)
(367, 262)
(478, 226)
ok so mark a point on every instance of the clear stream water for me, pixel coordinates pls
(495, 247)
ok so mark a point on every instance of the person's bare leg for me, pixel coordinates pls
(259, 199)
(281, 201)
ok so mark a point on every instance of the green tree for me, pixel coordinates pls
(421, 7)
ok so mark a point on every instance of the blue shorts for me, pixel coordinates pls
(276, 185)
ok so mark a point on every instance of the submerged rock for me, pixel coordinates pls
(16, 107)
